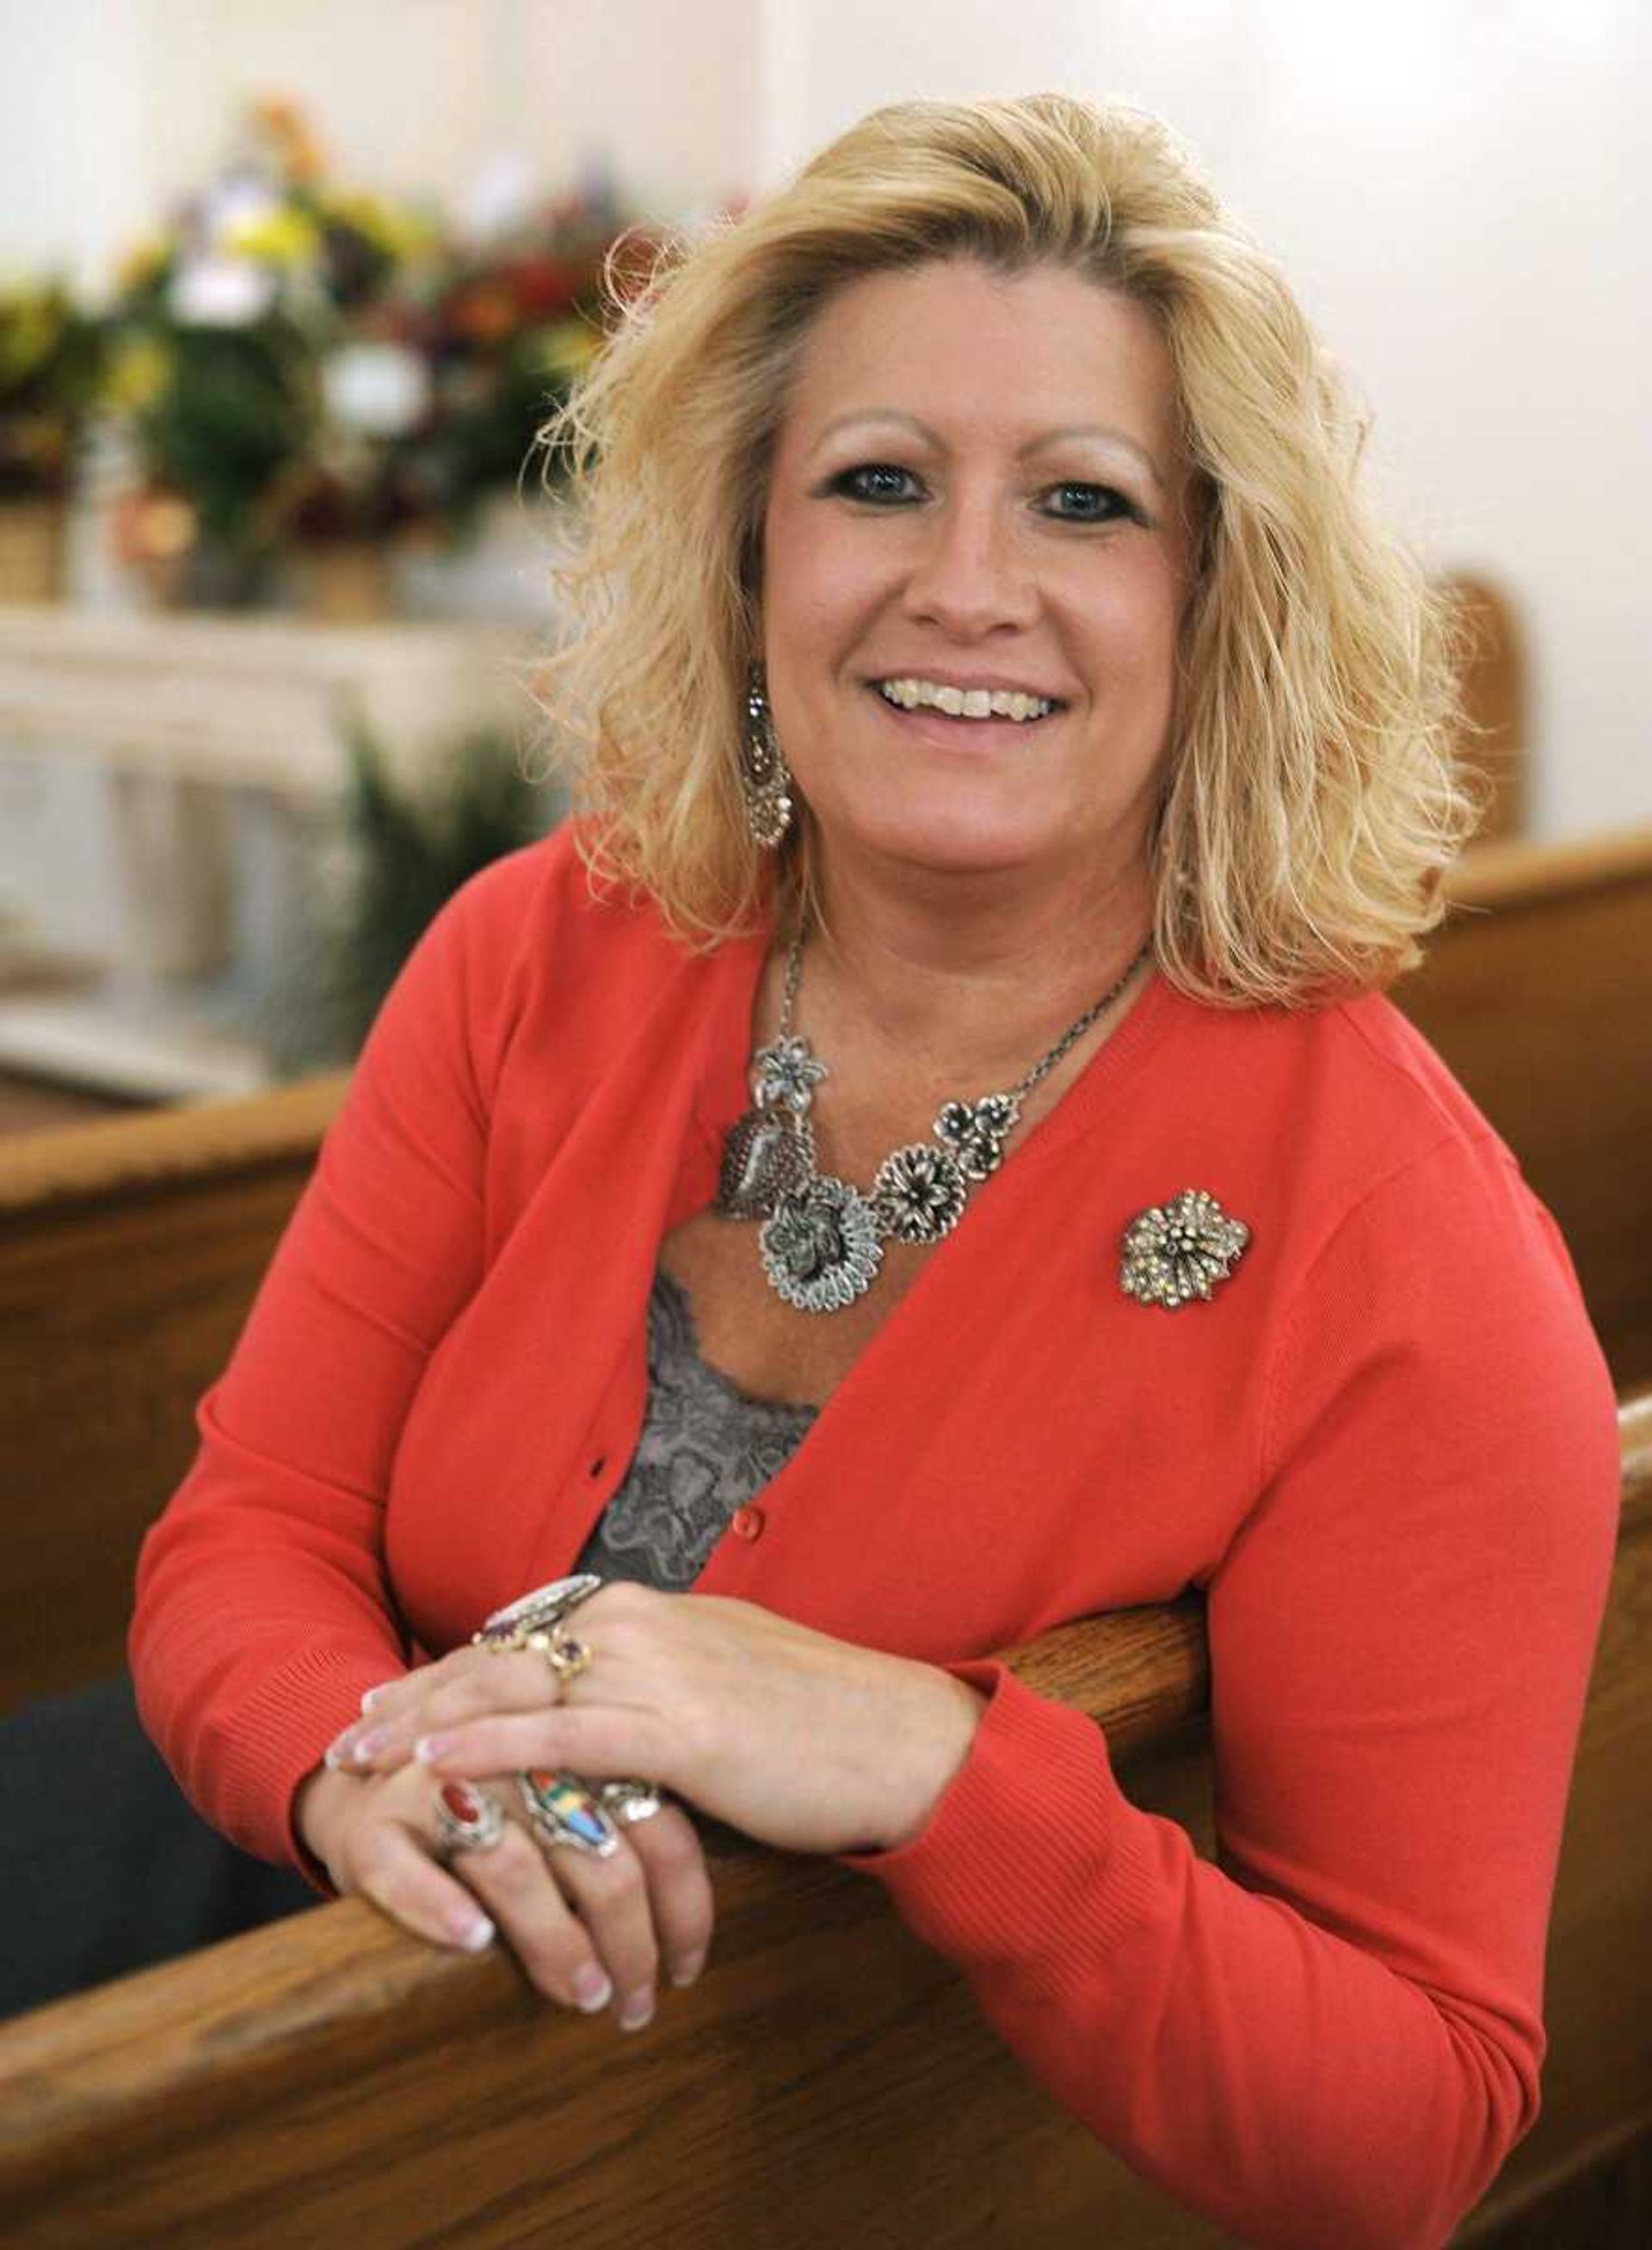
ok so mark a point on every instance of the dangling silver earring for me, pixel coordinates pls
(763, 773)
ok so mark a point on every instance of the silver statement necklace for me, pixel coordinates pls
(822, 1239)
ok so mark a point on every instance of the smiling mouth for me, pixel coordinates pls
(971, 706)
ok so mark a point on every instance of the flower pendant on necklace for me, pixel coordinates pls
(786, 1071)
(919, 1193)
(976, 1132)
(820, 1250)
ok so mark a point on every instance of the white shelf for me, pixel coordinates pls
(146, 1050)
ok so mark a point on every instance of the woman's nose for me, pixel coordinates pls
(968, 574)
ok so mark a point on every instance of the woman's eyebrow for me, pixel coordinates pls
(1131, 445)
(1048, 438)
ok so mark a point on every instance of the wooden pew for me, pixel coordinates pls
(130, 1252)
(1537, 991)
(828, 2080)
(1492, 681)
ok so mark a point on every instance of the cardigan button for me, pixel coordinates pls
(747, 1523)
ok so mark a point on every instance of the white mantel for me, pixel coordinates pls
(166, 784)
(256, 702)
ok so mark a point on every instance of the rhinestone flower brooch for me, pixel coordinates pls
(1180, 1250)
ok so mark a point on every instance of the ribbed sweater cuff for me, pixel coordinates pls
(282, 1734)
(1032, 1838)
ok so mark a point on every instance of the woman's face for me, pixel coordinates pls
(978, 485)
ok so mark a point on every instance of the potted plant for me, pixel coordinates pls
(49, 362)
(223, 327)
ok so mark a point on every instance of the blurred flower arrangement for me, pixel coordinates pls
(50, 355)
(512, 322)
(299, 364)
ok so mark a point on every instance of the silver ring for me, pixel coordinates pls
(563, 1810)
(540, 1609)
(630, 1801)
(468, 1819)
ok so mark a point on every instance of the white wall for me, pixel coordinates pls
(70, 152)
(110, 109)
(1455, 186)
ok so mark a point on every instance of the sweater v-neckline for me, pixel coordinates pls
(724, 1095)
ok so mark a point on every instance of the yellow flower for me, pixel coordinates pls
(400, 233)
(29, 332)
(143, 262)
(139, 372)
(283, 237)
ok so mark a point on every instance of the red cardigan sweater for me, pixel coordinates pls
(1384, 1449)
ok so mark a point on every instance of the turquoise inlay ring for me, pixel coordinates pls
(563, 1811)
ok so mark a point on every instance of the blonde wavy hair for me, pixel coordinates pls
(1310, 803)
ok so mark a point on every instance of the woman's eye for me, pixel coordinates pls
(873, 481)
(1080, 503)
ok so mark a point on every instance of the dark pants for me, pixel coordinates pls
(103, 1866)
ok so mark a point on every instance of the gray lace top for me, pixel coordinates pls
(705, 1449)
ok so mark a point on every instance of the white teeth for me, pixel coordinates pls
(964, 703)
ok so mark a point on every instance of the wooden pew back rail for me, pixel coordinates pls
(828, 2079)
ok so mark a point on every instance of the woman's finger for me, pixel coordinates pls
(586, 1928)
(680, 1893)
(600, 1738)
(562, 1958)
(438, 1699)
(382, 1860)
(472, 1680)
(646, 1906)
(504, 1889)
(392, 1695)
(610, 1893)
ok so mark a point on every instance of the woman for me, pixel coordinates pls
(925, 1157)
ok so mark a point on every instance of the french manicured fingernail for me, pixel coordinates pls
(365, 1747)
(371, 1697)
(474, 1932)
(592, 1990)
(688, 1968)
(429, 1748)
(636, 2010)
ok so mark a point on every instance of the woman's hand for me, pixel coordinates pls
(583, 1928)
(803, 1742)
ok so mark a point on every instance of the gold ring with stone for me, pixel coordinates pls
(565, 1657)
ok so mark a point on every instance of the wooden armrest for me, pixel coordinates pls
(318, 2065)
(828, 2079)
